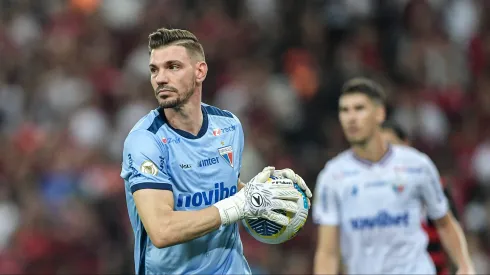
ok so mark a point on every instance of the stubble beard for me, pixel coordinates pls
(180, 100)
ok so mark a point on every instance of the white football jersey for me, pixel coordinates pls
(378, 208)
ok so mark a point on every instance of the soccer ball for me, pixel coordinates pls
(269, 232)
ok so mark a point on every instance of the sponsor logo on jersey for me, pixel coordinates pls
(382, 220)
(171, 140)
(148, 167)
(134, 171)
(217, 132)
(345, 174)
(220, 131)
(162, 163)
(227, 154)
(375, 184)
(209, 197)
(409, 170)
(185, 166)
(208, 162)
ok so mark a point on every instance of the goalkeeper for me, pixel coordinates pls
(181, 167)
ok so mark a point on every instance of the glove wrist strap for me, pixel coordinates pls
(228, 211)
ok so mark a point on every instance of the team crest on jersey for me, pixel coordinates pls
(398, 187)
(227, 154)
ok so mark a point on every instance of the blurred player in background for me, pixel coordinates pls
(394, 134)
(181, 167)
(370, 198)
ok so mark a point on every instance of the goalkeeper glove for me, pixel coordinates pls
(290, 174)
(259, 198)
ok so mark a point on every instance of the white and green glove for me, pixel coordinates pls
(259, 198)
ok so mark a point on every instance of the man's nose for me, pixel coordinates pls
(352, 118)
(162, 77)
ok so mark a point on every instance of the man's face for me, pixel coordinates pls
(173, 75)
(391, 137)
(360, 117)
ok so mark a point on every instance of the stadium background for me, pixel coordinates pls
(74, 79)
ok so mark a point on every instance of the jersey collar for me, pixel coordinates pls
(382, 161)
(185, 134)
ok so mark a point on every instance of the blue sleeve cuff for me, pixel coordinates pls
(151, 185)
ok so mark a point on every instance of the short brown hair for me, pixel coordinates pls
(365, 86)
(167, 37)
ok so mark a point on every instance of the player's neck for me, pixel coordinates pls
(373, 150)
(187, 117)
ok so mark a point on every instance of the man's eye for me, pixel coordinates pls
(174, 67)
(153, 70)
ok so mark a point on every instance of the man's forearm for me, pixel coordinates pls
(454, 241)
(183, 226)
(188, 225)
(326, 264)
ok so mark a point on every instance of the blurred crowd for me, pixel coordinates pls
(74, 79)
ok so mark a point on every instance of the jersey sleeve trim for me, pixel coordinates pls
(151, 185)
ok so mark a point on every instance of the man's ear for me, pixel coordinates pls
(380, 114)
(201, 71)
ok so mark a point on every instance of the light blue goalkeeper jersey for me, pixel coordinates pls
(379, 207)
(199, 170)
